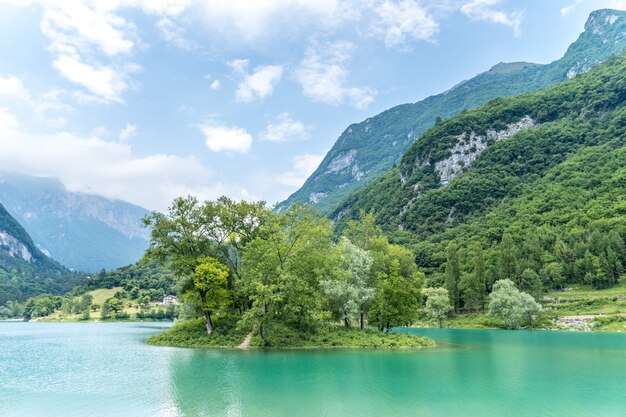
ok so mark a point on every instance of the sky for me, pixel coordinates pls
(147, 100)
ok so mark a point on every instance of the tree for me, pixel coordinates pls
(508, 258)
(511, 305)
(349, 292)
(282, 269)
(210, 279)
(530, 307)
(112, 308)
(530, 282)
(475, 283)
(438, 303)
(453, 275)
(397, 298)
(192, 231)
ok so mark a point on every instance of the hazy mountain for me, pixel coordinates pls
(367, 149)
(82, 231)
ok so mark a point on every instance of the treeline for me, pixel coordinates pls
(145, 278)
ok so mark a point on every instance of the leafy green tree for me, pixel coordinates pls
(530, 307)
(453, 275)
(474, 288)
(282, 269)
(438, 304)
(210, 280)
(531, 283)
(508, 258)
(397, 298)
(112, 308)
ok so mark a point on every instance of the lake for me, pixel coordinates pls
(104, 369)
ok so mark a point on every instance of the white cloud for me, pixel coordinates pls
(226, 138)
(484, 10)
(12, 87)
(127, 132)
(104, 82)
(8, 124)
(93, 165)
(92, 43)
(303, 167)
(251, 21)
(286, 129)
(402, 21)
(258, 84)
(323, 73)
(567, 9)
(215, 85)
(174, 34)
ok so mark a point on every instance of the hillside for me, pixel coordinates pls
(24, 270)
(366, 150)
(83, 232)
(538, 181)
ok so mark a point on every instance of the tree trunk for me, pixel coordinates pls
(362, 320)
(346, 322)
(209, 322)
(262, 331)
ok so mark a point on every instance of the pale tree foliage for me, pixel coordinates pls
(438, 304)
(510, 305)
(349, 291)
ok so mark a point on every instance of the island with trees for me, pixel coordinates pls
(255, 277)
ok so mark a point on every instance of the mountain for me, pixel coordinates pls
(82, 231)
(365, 150)
(24, 270)
(538, 180)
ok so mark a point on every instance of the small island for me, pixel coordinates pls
(253, 277)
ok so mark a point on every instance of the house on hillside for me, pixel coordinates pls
(169, 300)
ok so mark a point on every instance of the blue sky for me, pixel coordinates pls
(145, 100)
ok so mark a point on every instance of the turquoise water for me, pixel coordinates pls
(96, 369)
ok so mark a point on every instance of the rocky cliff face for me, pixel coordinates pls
(470, 145)
(14, 248)
(366, 150)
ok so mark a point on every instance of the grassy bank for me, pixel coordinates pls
(191, 333)
(578, 308)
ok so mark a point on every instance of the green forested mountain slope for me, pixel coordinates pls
(365, 150)
(82, 231)
(538, 180)
(24, 269)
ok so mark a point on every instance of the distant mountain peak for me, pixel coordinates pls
(600, 20)
(506, 67)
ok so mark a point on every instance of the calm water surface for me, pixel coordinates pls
(96, 369)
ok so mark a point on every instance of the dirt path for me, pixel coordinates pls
(246, 342)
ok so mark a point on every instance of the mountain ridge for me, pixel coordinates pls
(367, 149)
